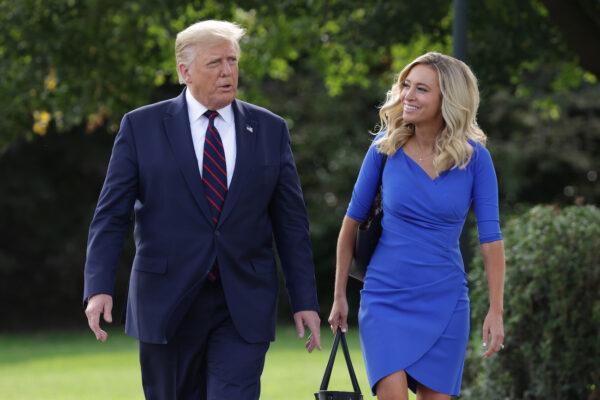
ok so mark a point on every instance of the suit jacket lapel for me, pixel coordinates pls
(177, 126)
(246, 130)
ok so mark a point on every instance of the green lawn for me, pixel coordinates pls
(72, 365)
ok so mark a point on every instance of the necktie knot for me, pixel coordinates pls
(211, 115)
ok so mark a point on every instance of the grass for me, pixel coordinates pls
(72, 365)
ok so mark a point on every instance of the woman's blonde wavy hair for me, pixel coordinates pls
(460, 100)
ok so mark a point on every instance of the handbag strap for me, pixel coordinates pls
(349, 364)
(325, 383)
(383, 161)
(378, 199)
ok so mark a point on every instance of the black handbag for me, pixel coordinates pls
(368, 233)
(323, 393)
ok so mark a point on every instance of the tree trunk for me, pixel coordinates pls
(580, 29)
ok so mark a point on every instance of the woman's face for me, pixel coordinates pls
(421, 97)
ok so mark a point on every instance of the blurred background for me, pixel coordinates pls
(70, 69)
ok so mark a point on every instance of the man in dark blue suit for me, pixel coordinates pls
(210, 180)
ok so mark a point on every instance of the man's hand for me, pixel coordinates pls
(312, 321)
(99, 304)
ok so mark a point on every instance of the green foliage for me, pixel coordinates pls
(75, 67)
(546, 150)
(69, 64)
(552, 309)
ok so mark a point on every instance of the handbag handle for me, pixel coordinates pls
(325, 383)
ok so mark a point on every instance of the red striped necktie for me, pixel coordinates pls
(214, 174)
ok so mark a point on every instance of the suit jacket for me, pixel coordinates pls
(154, 172)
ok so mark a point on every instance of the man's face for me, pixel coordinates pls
(212, 77)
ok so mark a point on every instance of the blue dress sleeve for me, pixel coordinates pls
(485, 195)
(365, 187)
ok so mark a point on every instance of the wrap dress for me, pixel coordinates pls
(414, 306)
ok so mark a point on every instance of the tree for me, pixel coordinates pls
(71, 69)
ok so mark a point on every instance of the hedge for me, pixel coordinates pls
(552, 310)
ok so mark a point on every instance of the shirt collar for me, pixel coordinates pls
(197, 109)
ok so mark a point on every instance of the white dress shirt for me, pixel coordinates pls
(224, 123)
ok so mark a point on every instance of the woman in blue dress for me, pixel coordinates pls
(414, 307)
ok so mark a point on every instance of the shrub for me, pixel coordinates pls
(552, 310)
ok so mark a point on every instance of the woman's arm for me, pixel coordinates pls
(493, 326)
(363, 194)
(345, 249)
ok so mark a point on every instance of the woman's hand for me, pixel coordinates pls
(345, 246)
(493, 333)
(339, 315)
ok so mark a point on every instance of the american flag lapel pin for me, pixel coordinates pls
(249, 128)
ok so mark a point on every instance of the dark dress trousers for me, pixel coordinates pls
(153, 171)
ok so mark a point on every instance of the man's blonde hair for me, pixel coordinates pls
(460, 100)
(201, 35)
